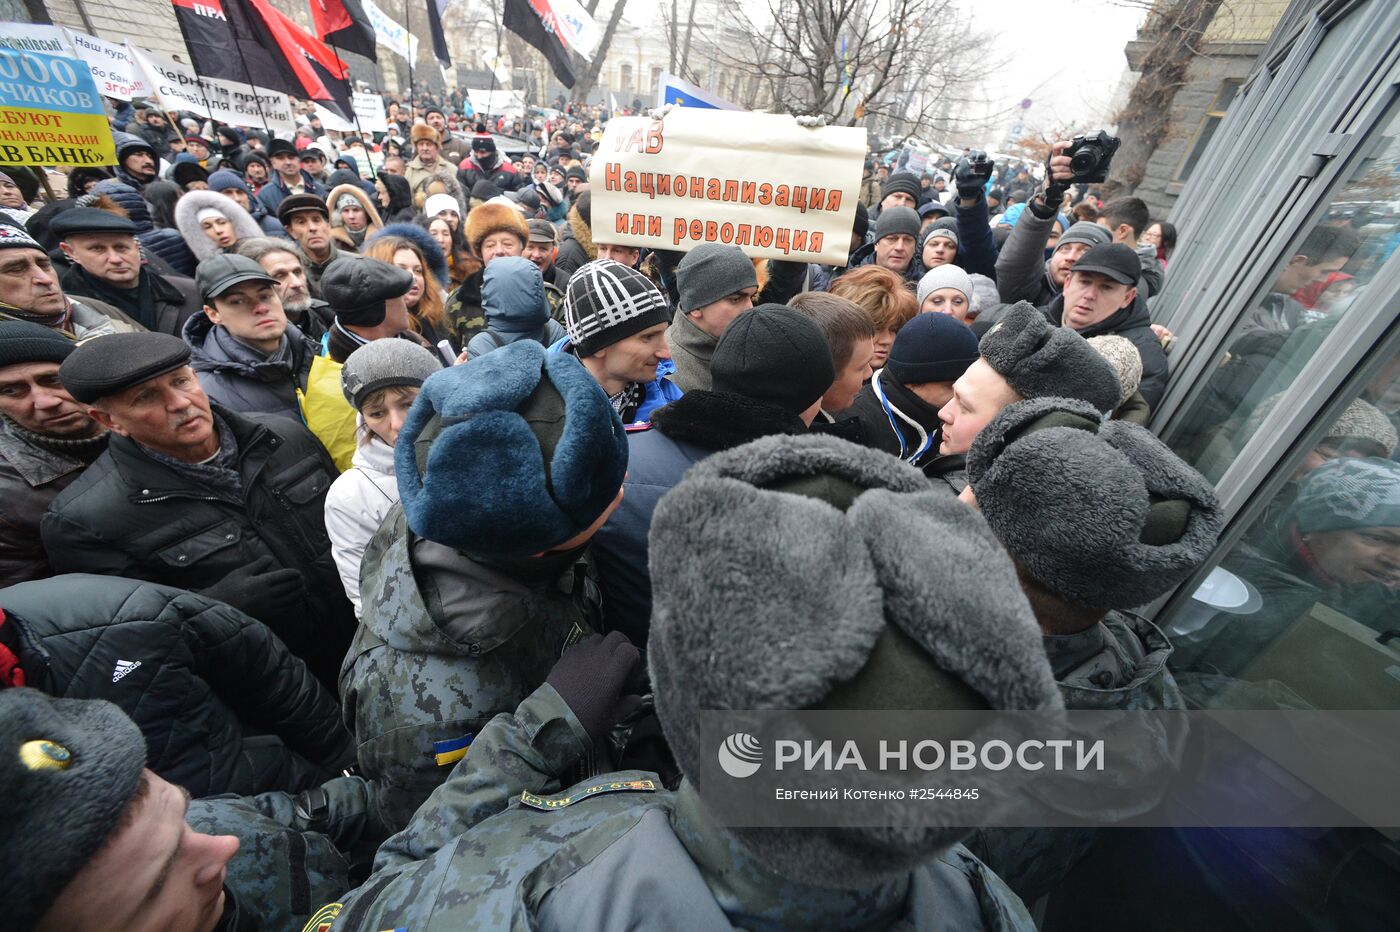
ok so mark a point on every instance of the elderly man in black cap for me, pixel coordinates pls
(29, 290)
(46, 441)
(287, 177)
(248, 356)
(1101, 297)
(107, 265)
(192, 495)
(308, 220)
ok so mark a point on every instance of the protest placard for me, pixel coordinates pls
(51, 113)
(35, 37)
(760, 181)
(177, 87)
(111, 66)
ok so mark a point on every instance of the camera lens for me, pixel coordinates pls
(1084, 162)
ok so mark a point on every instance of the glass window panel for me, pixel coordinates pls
(1309, 296)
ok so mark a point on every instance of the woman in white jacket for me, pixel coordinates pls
(380, 380)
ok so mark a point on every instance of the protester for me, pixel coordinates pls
(307, 219)
(1161, 236)
(427, 163)
(233, 187)
(576, 247)
(1125, 359)
(281, 259)
(939, 247)
(106, 265)
(487, 165)
(522, 459)
(189, 174)
(212, 223)
(946, 289)
(136, 161)
(512, 293)
(707, 653)
(29, 290)
(247, 355)
(716, 283)
(850, 335)
(492, 230)
(885, 297)
(395, 198)
(895, 243)
(46, 441)
(287, 177)
(313, 162)
(1125, 218)
(898, 409)
(192, 495)
(1100, 297)
(353, 216)
(380, 381)
(617, 325)
(224, 707)
(770, 371)
(901, 190)
(407, 247)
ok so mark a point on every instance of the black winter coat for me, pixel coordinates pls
(222, 703)
(1135, 324)
(238, 377)
(129, 515)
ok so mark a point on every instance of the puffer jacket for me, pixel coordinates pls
(188, 208)
(447, 644)
(356, 506)
(240, 378)
(512, 294)
(222, 703)
(129, 515)
(165, 244)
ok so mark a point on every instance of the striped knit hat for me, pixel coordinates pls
(607, 302)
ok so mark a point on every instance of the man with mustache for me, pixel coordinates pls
(193, 495)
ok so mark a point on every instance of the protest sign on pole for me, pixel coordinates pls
(369, 110)
(51, 113)
(35, 37)
(760, 181)
(177, 87)
(112, 68)
(496, 103)
(391, 34)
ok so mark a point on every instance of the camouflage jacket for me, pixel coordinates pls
(447, 643)
(1120, 663)
(499, 846)
(289, 858)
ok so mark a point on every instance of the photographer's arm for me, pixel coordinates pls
(1020, 267)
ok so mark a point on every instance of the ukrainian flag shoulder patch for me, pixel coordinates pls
(452, 750)
(551, 803)
(323, 918)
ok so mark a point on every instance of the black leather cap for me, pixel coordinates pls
(106, 366)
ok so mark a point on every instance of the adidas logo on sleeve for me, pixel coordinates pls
(124, 667)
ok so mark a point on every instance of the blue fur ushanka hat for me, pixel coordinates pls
(510, 454)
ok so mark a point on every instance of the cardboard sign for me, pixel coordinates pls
(112, 68)
(51, 113)
(760, 181)
(177, 87)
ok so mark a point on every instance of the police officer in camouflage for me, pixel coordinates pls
(1099, 517)
(837, 565)
(480, 577)
(94, 840)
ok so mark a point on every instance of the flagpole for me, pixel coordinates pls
(408, 41)
(354, 114)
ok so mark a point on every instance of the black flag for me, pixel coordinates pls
(533, 21)
(343, 24)
(435, 11)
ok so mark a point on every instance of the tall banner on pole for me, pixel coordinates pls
(51, 112)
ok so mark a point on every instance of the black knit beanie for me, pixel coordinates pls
(774, 354)
(22, 341)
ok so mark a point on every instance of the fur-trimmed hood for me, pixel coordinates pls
(188, 208)
(432, 252)
(338, 225)
(582, 234)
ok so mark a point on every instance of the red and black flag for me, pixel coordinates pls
(435, 10)
(247, 41)
(344, 25)
(333, 72)
(533, 21)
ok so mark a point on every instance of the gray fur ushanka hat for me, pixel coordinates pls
(785, 571)
(1103, 514)
(1040, 360)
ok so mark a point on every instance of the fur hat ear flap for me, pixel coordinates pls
(950, 586)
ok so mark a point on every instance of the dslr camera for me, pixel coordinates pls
(1089, 157)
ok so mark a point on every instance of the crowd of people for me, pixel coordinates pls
(356, 486)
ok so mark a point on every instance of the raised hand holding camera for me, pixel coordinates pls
(972, 172)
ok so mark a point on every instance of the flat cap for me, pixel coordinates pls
(90, 220)
(356, 289)
(281, 147)
(110, 365)
(298, 202)
(222, 271)
(542, 231)
(1040, 360)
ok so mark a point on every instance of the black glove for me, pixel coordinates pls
(259, 590)
(972, 172)
(598, 678)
